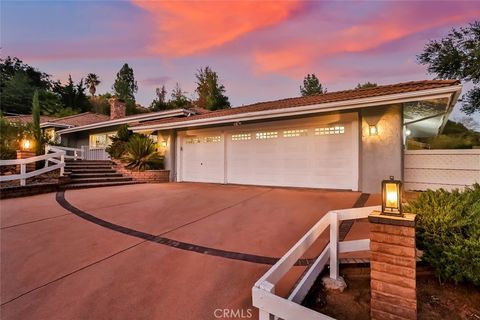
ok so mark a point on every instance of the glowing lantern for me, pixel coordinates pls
(372, 130)
(392, 197)
(25, 145)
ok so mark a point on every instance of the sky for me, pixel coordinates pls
(261, 50)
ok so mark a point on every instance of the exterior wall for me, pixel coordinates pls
(148, 176)
(381, 155)
(79, 139)
(447, 169)
(168, 150)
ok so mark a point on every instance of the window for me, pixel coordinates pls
(192, 140)
(329, 130)
(101, 140)
(294, 133)
(241, 136)
(212, 139)
(266, 135)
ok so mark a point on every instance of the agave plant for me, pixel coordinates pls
(141, 154)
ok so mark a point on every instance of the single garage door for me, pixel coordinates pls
(317, 152)
(202, 158)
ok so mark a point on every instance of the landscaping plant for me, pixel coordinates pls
(141, 154)
(448, 230)
(116, 150)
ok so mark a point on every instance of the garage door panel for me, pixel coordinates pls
(310, 160)
(202, 158)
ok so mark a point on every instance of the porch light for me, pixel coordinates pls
(392, 197)
(408, 132)
(372, 130)
(164, 144)
(25, 145)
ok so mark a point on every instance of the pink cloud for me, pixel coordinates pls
(187, 27)
(393, 22)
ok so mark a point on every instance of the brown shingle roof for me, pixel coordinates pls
(318, 99)
(81, 119)
(27, 118)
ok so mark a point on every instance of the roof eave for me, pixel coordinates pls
(120, 121)
(443, 92)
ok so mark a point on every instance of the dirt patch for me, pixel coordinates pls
(435, 300)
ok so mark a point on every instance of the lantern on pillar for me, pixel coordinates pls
(392, 197)
(25, 145)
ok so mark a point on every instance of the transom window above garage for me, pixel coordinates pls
(212, 139)
(241, 136)
(329, 130)
(192, 140)
(295, 133)
(266, 135)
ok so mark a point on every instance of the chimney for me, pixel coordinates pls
(117, 108)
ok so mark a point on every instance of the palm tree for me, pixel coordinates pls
(92, 82)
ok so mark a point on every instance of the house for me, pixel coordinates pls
(341, 140)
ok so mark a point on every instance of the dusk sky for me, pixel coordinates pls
(261, 50)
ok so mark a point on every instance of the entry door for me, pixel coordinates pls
(202, 158)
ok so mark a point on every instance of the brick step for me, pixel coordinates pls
(95, 175)
(103, 179)
(75, 170)
(99, 184)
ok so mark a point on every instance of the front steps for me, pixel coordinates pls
(93, 174)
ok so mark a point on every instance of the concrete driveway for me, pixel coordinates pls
(151, 251)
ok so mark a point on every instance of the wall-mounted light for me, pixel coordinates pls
(408, 132)
(25, 145)
(392, 197)
(163, 144)
(372, 130)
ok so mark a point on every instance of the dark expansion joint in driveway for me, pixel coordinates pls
(60, 197)
(346, 225)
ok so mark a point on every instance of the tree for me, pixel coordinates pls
(457, 56)
(73, 95)
(210, 92)
(37, 133)
(92, 82)
(311, 86)
(160, 102)
(178, 98)
(125, 85)
(366, 85)
(81, 100)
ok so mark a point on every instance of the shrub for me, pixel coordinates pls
(448, 230)
(140, 154)
(116, 150)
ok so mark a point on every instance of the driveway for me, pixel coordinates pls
(152, 251)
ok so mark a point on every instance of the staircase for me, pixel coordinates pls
(93, 174)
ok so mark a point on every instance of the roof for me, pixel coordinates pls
(319, 99)
(135, 119)
(77, 120)
(27, 118)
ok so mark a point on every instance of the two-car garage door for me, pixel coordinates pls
(318, 152)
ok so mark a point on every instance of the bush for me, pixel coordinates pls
(448, 230)
(140, 154)
(119, 142)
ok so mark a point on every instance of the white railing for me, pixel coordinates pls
(70, 153)
(94, 154)
(263, 292)
(24, 175)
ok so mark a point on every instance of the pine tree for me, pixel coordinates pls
(365, 85)
(210, 92)
(160, 102)
(311, 86)
(37, 133)
(125, 85)
(178, 98)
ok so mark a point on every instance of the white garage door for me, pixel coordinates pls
(316, 153)
(202, 158)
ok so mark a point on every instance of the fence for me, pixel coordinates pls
(263, 292)
(70, 153)
(434, 169)
(94, 154)
(24, 175)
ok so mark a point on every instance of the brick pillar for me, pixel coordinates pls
(23, 155)
(393, 267)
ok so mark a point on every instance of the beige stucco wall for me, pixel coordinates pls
(381, 155)
(168, 151)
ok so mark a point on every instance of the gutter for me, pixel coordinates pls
(142, 117)
(444, 92)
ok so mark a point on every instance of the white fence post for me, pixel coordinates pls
(334, 230)
(62, 169)
(23, 171)
(46, 152)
